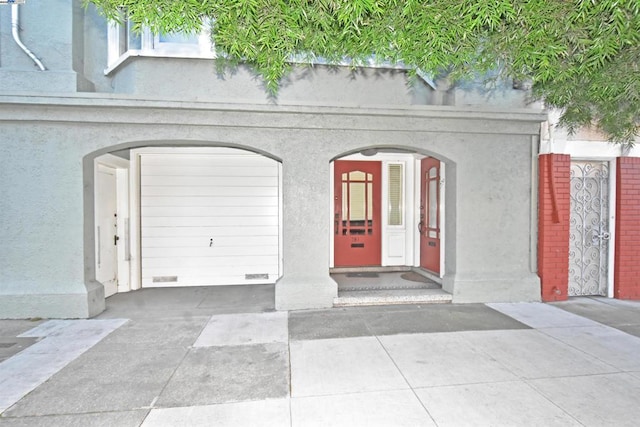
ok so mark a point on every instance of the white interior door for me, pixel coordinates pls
(106, 229)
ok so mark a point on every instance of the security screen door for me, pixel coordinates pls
(589, 228)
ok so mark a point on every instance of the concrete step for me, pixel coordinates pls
(391, 297)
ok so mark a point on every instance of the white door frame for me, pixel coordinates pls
(411, 162)
(595, 151)
(121, 167)
(611, 216)
(405, 230)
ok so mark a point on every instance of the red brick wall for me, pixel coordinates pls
(554, 206)
(627, 247)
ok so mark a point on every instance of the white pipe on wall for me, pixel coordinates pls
(15, 24)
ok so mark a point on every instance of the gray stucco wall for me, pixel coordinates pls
(47, 29)
(198, 80)
(72, 43)
(42, 269)
(47, 139)
(48, 142)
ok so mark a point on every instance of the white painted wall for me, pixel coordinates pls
(208, 217)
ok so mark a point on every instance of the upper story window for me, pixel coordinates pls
(124, 43)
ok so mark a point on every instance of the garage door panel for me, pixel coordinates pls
(209, 252)
(182, 191)
(207, 161)
(221, 170)
(240, 221)
(209, 219)
(213, 271)
(208, 281)
(208, 181)
(200, 241)
(210, 232)
(220, 201)
(215, 281)
(199, 262)
(208, 211)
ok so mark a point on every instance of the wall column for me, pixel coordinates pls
(627, 245)
(41, 230)
(554, 208)
(306, 282)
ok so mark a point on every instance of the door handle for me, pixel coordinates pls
(596, 238)
(115, 240)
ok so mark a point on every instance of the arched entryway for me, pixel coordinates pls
(184, 214)
(388, 213)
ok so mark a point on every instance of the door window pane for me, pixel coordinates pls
(357, 201)
(395, 195)
(433, 198)
(183, 38)
(356, 176)
(345, 206)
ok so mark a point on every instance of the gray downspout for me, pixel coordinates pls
(15, 24)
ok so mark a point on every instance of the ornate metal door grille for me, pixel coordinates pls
(589, 228)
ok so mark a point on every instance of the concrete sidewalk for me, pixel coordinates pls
(224, 357)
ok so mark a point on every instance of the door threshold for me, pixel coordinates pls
(369, 269)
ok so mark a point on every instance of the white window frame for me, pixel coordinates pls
(151, 46)
(203, 48)
(386, 205)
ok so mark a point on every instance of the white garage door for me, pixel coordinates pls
(209, 218)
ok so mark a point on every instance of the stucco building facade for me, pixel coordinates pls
(128, 162)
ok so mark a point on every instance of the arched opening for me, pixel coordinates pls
(181, 213)
(389, 215)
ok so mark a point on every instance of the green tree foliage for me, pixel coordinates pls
(580, 55)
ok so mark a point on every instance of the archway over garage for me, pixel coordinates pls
(186, 214)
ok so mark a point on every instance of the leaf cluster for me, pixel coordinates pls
(580, 55)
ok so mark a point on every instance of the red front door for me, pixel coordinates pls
(429, 225)
(356, 212)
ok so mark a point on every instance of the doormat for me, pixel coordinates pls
(363, 274)
(412, 276)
